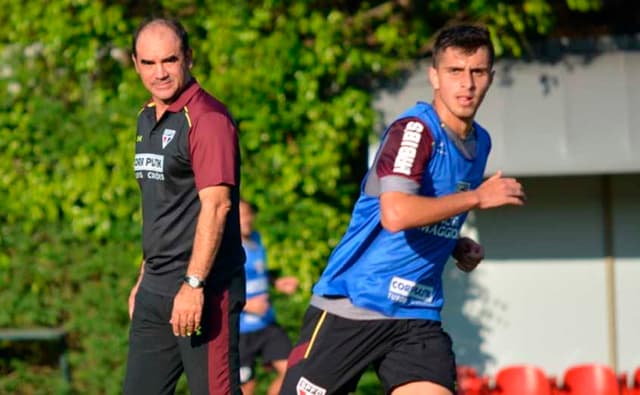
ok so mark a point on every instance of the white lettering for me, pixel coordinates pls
(414, 126)
(396, 298)
(149, 162)
(306, 387)
(408, 148)
(449, 228)
(152, 175)
(412, 136)
(401, 289)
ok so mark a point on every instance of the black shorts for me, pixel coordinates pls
(270, 344)
(333, 353)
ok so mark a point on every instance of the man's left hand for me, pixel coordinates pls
(187, 310)
(468, 254)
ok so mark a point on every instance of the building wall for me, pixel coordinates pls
(540, 297)
(581, 110)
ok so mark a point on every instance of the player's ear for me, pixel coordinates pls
(433, 77)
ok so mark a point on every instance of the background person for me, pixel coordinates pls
(260, 335)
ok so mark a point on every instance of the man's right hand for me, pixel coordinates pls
(499, 191)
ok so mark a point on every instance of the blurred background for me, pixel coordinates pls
(312, 84)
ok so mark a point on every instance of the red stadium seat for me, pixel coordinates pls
(464, 371)
(623, 384)
(522, 380)
(635, 386)
(470, 382)
(590, 379)
(473, 386)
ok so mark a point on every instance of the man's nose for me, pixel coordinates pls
(467, 80)
(160, 71)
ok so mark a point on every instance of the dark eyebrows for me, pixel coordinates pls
(169, 59)
(481, 68)
(472, 69)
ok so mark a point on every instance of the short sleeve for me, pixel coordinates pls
(213, 146)
(404, 155)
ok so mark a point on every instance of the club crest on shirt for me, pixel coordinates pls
(306, 387)
(167, 136)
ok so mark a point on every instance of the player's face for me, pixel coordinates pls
(161, 64)
(460, 80)
(246, 219)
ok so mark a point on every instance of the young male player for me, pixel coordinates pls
(379, 299)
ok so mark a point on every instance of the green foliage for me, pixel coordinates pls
(298, 77)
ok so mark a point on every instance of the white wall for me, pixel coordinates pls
(540, 296)
(580, 110)
(626, 242)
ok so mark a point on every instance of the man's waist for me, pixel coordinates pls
(167, 278)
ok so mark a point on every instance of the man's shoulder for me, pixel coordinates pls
(146, 109)
(203, 102)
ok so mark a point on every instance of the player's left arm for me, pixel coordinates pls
(214, 153)
(215, 204)
(468, 254)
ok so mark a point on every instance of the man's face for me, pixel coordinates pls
(246, 220)
(163, 68)
(460, 80)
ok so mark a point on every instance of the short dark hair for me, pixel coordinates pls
(172, 24)
(467, 37)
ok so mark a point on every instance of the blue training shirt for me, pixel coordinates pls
(400, 274)
(257, 284)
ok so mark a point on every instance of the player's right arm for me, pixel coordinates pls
(401, 211)
(400, 171)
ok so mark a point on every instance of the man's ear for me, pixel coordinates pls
(133, 59)
(189, 58)
(433, 77)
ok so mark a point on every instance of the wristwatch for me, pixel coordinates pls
(194, 281)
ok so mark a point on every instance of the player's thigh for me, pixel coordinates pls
(153, 361)
(422, 354)
(277, 344)
(332, 353)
